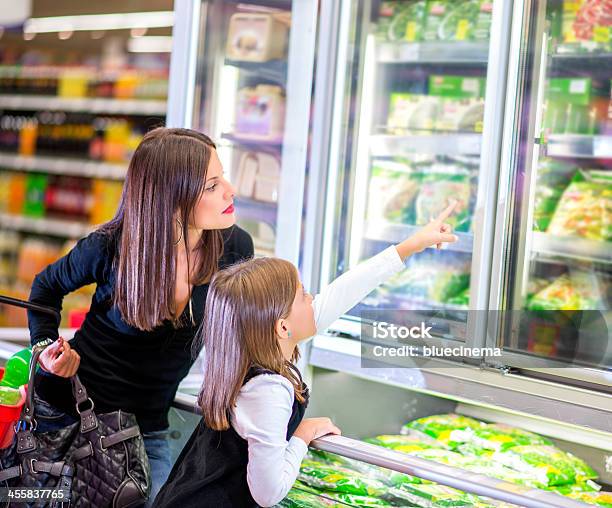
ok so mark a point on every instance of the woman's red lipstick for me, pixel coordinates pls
(229, 209)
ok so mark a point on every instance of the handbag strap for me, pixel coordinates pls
(89, 420)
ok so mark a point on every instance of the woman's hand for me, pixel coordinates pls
(435, 233)
(312, 428)
(60, 359)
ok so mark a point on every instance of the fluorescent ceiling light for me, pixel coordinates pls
(150, 44)
(117, 21)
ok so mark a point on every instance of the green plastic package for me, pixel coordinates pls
(585, 208)
(339, 479)
(594, 498)
(496, 437)
(300, 499)
(349, 499)
(440, 426)
(575, 488)
(547, 464)
(433, 496)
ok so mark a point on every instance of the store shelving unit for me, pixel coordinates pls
(45, 226)
(84, 105)
(63, 166)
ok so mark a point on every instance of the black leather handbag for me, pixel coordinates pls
(100, 459)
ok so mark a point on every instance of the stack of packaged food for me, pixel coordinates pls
(496, 450)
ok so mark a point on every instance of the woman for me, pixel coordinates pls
(152, 264)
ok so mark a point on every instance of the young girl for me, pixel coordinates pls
(247, 449)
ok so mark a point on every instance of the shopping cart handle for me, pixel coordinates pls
(29, 305)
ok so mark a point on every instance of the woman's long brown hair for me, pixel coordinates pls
(238, 331)
(165, 180)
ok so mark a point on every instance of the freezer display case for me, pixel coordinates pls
(414, 93)
(248, 84)
(555, 242)
(435, 101)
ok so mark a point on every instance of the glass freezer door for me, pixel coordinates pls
(251, 71)
(555, 234)
(411, 96)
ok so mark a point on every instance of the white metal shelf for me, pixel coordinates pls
(571, 247)
(64, 166)
(394, 233)
(579, 146)
(45, 226)
(85, 105)
(384, 145)
(433, 52)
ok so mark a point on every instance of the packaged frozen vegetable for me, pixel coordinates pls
(339, 479)
(547, 464)
(410, 112)
(432, 495)
(575, 290)
(553, 177)
(300, 499)
(594, 498)
(497, 437)
(440, 426)
(585, 208)
(574, 488)
(401, 20)
(445, 184)
(392, 190)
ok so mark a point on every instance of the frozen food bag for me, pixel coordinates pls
(432, 495)
(383, 475)
(575, 290)
(553, 178)
(547, 464)
(497, 437)
(575, 488)
(300, 499)
(349, 499)
(594, 498)
(410, 112)
(339, 479)
(437, 191)
(392, 191)
(405, 22)
(440, 426)
(585, 208)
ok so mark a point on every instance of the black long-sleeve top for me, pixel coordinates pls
(121, 367)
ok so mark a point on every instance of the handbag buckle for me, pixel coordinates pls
(89, 409)
(102, 447)
(32, 469)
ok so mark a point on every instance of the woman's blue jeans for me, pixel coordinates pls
(48, 418)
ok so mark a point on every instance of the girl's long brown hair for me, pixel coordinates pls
(165, 179)
(238, 331)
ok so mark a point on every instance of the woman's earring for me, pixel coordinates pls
(180, 224)
(288, 334)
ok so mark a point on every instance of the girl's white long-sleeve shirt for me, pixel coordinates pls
(265, 403)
